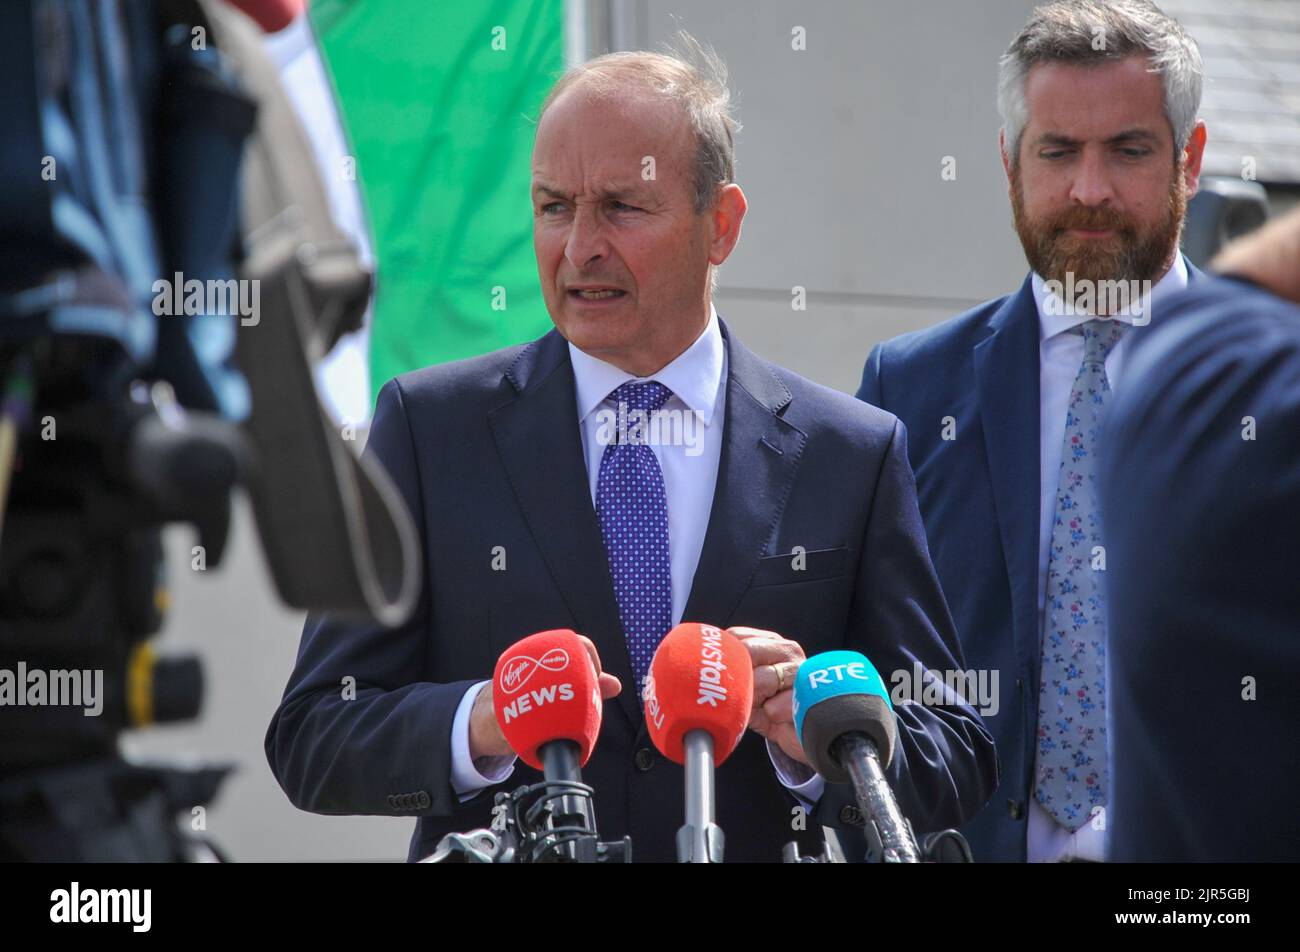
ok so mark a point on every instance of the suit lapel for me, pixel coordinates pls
(538, 438)
(1006, 372)
(760, 455)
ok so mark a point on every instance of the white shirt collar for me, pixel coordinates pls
(1052, 322)
(694, 376)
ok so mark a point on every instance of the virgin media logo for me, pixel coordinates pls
(517, 671)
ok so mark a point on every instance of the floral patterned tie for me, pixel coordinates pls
(633, 511)
(1071, 766)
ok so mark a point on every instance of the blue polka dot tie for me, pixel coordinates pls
(633, 511)
(1071, 768)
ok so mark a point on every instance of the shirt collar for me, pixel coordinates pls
(694, 376)
(1052, 322)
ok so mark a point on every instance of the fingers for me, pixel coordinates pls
(777, 711)
(485, 737)
(766, 647)
(780, 707)
(744, 631)
(780, 733)
(783, 736)
(610, 686)
(591, 650)
(773, 679)
(775, 659)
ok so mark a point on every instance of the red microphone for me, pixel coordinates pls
(698, 696)
(546, 696)
(545, 690)
(271, 15)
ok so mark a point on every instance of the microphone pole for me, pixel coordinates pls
(561, 766)
(700, 840)
(858, 753)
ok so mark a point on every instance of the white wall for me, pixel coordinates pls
(840, 157)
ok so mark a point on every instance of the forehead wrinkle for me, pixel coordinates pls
(1135, 133)
(605, 192)
(611, 189)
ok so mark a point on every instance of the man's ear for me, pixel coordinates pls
(725, 218)
(1192, 155)
(1002, 148)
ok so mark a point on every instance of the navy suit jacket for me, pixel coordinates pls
(979, 497)
(487, 452)
(1204, 583)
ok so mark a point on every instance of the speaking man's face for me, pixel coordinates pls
(1096, 191)
(622, 256)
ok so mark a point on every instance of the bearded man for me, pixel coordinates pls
(1003, 404)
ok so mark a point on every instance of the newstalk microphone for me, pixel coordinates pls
(546, 696)
(697, 697)
(845, 722)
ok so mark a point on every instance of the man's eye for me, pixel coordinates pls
(623, 207)
(1055, 154)
(1136, 153)
(550, 208)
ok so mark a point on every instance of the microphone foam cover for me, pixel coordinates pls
(545, 688)
(271, 15)
(837, 692)
(700, 678)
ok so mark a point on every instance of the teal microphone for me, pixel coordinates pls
(837, 692)
(846, 724)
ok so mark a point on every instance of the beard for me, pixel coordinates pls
(1131, 253)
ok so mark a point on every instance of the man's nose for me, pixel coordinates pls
(1092, 183)
(586, 242)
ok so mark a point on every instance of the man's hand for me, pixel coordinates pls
(485, 737)
(776, 660)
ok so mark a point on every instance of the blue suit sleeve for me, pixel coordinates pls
(944, 768)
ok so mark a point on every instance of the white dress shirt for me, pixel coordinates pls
(1060, 356)
(697, 380)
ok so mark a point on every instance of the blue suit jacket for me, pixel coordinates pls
(979, 497)
(1204, 581)
(487, 452)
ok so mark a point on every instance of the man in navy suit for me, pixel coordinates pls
(781, 508)
(1200, 489)
(1102, 148)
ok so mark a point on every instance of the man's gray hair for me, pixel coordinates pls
(690, 74)
(1095, 32)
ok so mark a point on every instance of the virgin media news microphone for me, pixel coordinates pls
(845, 722)
(698, 696)
(546, 696)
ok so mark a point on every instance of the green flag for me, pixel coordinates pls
(440, 101)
